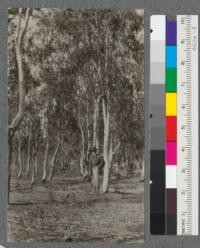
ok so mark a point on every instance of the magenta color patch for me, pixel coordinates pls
(171, 153)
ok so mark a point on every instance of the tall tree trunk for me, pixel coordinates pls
(82, 157)
(88, 133)
(19, 156)
(33, 174)
(96, 118)
(53, 161)
(36, 163)
(108, 151)
(112, 152)
(36, 149)
(23, 160)
(130, 164)
(131, 159)
(55, 154)
(29, 152)
(32, 168)
(106, 118)
(63, 162)
(44, 177)
(142, 172)
(21, 108)
(96, 126)
(126, 157)
(63, 154)
(18, 48)
(82, 162)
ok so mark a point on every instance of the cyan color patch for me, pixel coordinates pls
(170, 56)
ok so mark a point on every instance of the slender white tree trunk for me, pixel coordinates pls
(63, 161)
(45, 162)
(18, 48)
(96, 118)
(36, 163)
(126, 156)
(19, 156)
(142, 173)
(55, 154)
(28, 153)
(88, 132)
(106, 117)
(108, 151)
(82, 162)
(95, 124)
(53, 161)
(63, 155)
(33, 172)
(82, 151)
(21, 107)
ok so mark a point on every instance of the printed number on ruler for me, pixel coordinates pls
(187, 125)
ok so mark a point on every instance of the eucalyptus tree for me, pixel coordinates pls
(85, 86)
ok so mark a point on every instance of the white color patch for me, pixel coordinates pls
(171, 176)
(158, 26)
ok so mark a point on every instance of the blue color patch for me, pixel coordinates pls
(170, 56)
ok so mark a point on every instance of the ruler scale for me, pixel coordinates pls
(174, 144)
(187, 125)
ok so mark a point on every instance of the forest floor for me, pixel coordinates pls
(67, 209)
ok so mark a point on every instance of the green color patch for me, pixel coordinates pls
(171, 80)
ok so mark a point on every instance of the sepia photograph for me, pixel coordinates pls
(75, 125)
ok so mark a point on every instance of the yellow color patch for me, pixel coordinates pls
(171, 104)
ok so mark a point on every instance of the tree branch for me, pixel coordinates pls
(20, 33)
(98, 69)
(19, 25)
(104, 110)
(23, 31)
(99, 98)
(116, 148)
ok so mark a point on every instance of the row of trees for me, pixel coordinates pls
(75, 82)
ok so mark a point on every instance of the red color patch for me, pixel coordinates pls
(171, 128)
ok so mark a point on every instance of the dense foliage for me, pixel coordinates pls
(83, 70)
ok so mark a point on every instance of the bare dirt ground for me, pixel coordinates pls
(67, 210)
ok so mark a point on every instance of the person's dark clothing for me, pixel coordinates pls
(101, 164)
(95, 160)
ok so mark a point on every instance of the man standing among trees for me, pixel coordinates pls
(95, 164)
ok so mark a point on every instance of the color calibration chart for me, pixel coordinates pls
(174, 143)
